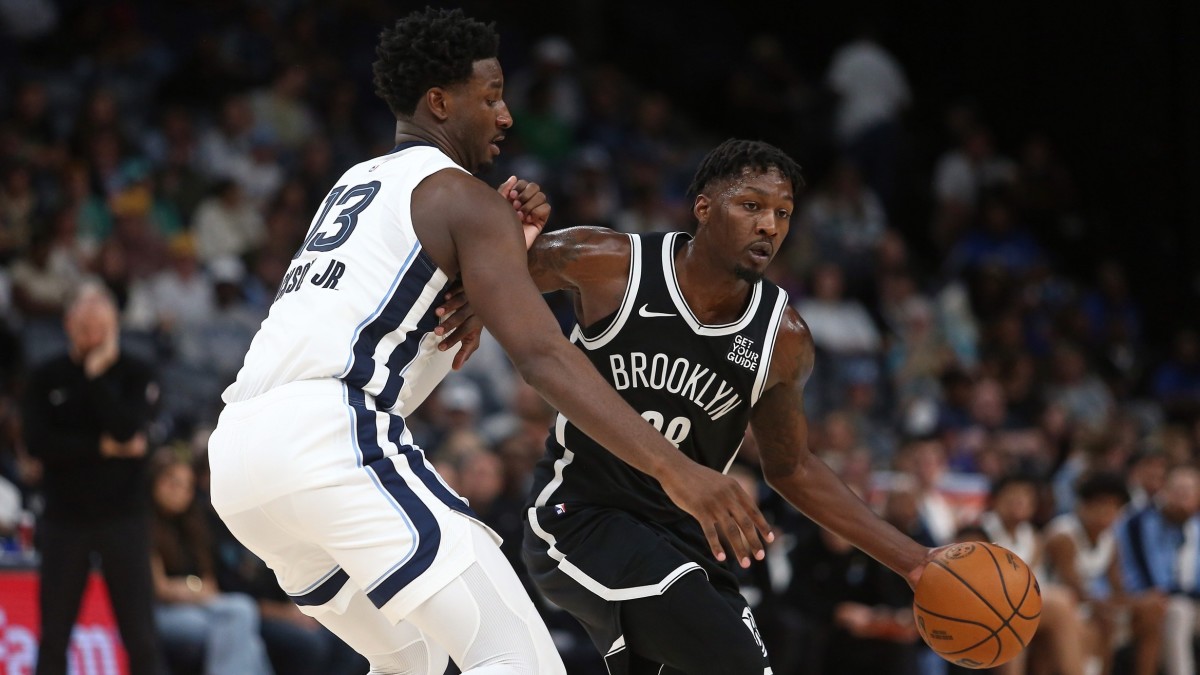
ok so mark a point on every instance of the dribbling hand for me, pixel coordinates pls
(724, 511)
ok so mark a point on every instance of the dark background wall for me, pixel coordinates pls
(1114, 85)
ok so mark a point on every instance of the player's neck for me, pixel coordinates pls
(410, 130)
(715, 294)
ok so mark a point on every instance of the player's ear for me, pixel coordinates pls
(700, 208)
(438, 100)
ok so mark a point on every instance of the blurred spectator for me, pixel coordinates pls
(1083, 395)
(226, 223)
(839, 325)
(262, 175)
(1177, 381)
(144, 248)
(197, 622)
(134, 195)
(315, 174)
(866, 608)
(10, 518)
(962, 176)
(32, 129)
(85, 418)
(226, 146)
(551, 71)
(1045, 190)
(543, 133)
(646, 212)
(17, 203)
(842, 331)
(182, 293)
(179, 180)
(919, 354)
(847, 222)
(133, 299)
(43, 278)
(219, 342)
(282, 110)
(1159, 547)
(1111, 308)
(1146, 473)
(1081, 555)
(1059, 640)
(592, 196)
(872, 92)
(999, 242)
(926, 459)
(93, 222)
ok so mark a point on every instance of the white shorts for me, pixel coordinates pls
(324, 488)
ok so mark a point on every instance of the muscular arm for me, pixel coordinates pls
(592, 262)
(802, 478)
(468, 228)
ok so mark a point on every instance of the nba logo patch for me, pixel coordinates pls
(560, 509)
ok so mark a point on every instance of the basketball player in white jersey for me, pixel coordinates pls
(313, 467)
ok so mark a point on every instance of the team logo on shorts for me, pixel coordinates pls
(560, 509)
(748, 619)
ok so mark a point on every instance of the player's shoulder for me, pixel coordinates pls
(794, 350)
(595, 240)
(793, 328)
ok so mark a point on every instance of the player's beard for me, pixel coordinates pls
(747, 274)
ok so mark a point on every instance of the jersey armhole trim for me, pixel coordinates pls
(627, 302)
(760, 380)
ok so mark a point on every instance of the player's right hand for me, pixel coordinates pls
(530, 204)
(724, 511)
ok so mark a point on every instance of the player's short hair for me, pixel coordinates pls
(730, 160)
(426, 49)
(1102, 484)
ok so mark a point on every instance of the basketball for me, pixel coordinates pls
(977, 605)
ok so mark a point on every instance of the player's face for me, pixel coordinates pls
(748, 219)
(482, 114)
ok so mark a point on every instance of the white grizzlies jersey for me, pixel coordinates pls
(358, 300)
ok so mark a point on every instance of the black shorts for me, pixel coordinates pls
(646, 597)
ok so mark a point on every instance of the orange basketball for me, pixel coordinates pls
(977, 605)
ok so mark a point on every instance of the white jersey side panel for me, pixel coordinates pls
(357, 302)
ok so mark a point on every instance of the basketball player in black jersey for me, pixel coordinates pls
(691, 335)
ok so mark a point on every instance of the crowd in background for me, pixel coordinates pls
(181, 166)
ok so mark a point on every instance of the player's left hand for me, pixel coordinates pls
(459, 325)
(530, 204)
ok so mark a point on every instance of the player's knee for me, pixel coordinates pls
(415, 659)
(746, 660)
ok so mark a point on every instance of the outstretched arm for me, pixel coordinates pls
(781, 430)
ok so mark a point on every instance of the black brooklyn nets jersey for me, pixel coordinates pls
(694, 382)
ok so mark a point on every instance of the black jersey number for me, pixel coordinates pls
(358, 198)
(675, 431)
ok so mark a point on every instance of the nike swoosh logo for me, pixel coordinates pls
(642, 311)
